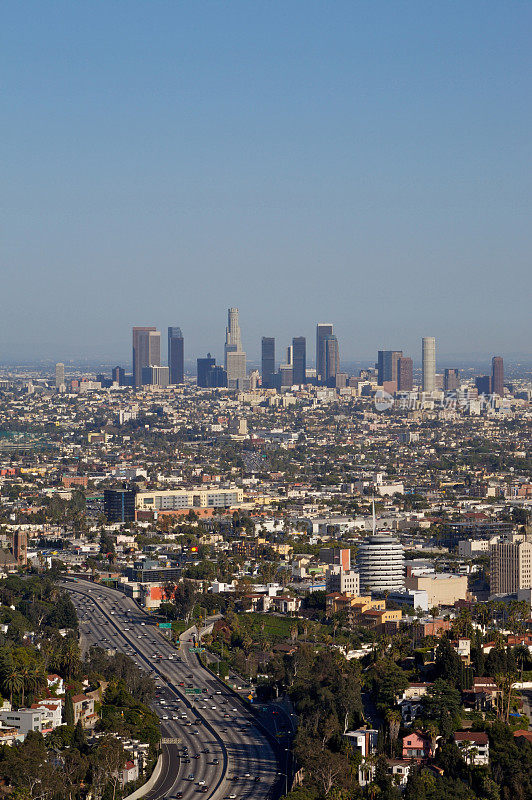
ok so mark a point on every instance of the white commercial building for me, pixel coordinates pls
(380, 561)
(176, 499)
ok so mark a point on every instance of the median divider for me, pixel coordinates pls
(255, 714)
(77, 590)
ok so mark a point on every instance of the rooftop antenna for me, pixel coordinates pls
(374, 523)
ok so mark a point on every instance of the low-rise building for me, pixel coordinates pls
(474, 746)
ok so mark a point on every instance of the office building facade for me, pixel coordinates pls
(177, 499)
(176, 355)
(405, 374)
(155, 376)
(119, 505)
(331, 365)
(299, 359)
(323, 329)
(268, 361)
(59, 375)
(387, 365)
(451, 380)
(510, 565)
(118, 375)
(483, 384)
(203, 367)
(235, 357)
(497, 375)
(146, 351)
(428, 358)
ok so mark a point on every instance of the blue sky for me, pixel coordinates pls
(361, 163)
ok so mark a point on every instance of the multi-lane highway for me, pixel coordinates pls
(212, 745)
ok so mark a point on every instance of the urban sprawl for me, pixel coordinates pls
(254, 583)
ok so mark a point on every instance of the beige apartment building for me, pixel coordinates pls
(510, 565)
(443, 589)
(177, 499)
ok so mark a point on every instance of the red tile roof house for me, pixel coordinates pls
(416, 746)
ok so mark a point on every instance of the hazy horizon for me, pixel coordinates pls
(362, 164)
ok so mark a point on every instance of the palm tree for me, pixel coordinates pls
(12, 681)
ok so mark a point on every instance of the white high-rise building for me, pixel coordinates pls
(380, 561)
(234, 355)
(60, 376)
(428, 347)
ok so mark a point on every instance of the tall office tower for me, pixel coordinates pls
(510, 565)
(451, 380)
(268, 361)
(176, 355)
(331, 365)
(483, 384)
(119, 505)
(235, 357)
(428, 347)
(497, 375)
(216, 377)
(405, 374)
(204, 365)
(59, 375)
(155, 376)
(380, 561)
(387, 365)
(299, 359)
(286, 375)
(290, 355)
(323, 329)
(118, 375)
(146, 351)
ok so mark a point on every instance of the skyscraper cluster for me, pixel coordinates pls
(147, 367)
(394, 370)
(293, 371)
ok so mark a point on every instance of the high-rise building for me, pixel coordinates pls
(405, 374)
(497, 375)
(268, 361)
(235, 357)
(483, 384)
(118, 375)
(286, 375)
(176, 355)
(155, 376)
(203, 367)
(59, 375)
(216, 377)
(323, 329)
(451, 380)
(331, 364)
(380, 560)
(146, 351)
(510, 565)
(299, 359)
(387, 365)
(428, 346)
(119, 505)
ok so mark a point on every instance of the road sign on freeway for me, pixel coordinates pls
(192, 691)
(176, 740)
(196, 649)
(167, 625)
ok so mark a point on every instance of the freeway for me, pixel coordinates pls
(225, 755)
